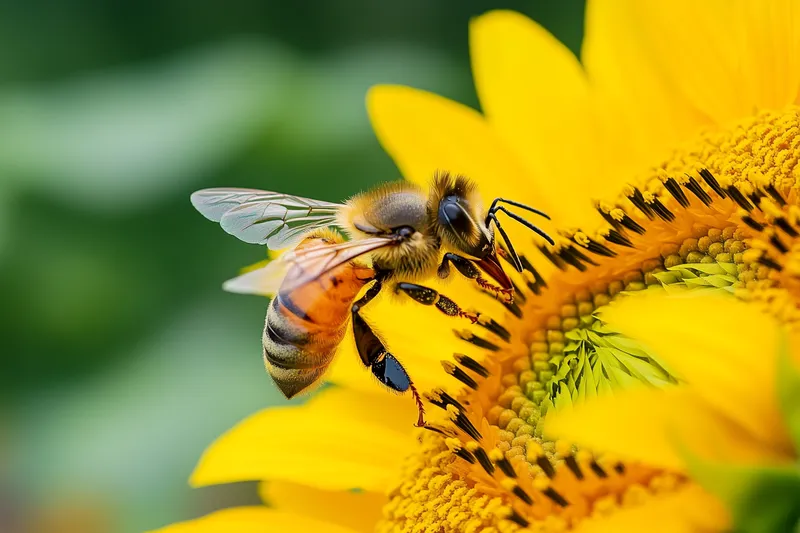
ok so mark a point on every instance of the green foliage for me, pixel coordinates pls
(788, 386)
(761, 499)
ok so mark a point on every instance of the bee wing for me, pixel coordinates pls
(264, 281)
(262, 217)
(309, 264)
(312, 262)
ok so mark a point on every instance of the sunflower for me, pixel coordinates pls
(668, 160)
(732, 426)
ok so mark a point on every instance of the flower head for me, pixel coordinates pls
(669, 162)
(713, 428)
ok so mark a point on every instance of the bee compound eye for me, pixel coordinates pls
(454, 214)
(450, 212)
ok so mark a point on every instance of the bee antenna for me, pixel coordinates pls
(517, 204)
(517, 262)
(491, 215)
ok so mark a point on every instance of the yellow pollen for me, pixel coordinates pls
(720, 215)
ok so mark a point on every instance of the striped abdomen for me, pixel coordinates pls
(305, 325)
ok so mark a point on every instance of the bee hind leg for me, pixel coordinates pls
(391, 373)
(383, 365)
(428, 296)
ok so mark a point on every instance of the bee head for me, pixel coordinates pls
(458, 215)
(462, 226)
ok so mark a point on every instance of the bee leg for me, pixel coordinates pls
(468, 269)
(427, 296)
(374, 355)
(391, 373)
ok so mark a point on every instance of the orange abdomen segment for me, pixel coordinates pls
(305, 325)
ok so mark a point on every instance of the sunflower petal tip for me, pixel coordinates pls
(198, 476)
(386, 95)
(383, 90)
(496, 25)
(376, 92)
(498, 15)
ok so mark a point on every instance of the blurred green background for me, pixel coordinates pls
(121, 357)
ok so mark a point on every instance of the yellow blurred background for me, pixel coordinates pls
(121, 356)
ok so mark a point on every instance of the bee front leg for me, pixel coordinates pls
(374, 355)
(468, 269)
(428, 296)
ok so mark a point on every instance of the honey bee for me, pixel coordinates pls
(394, 235)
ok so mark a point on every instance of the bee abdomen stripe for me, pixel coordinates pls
(288, 356)
(283, 330)
(280, 335)
(291, 364)
(290, 346)
(276, 337)
(286, 301)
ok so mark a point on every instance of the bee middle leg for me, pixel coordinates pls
(428, 296)
(377, 358)
(468, 269)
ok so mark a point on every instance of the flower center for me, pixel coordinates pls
(719, 215)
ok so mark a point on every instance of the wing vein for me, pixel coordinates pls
(263, 217)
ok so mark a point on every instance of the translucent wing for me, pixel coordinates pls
(295, 268)
(264, 281)
(308, 264)
(261, 217)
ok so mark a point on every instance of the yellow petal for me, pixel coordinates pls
(534, 92)
(339, 440)
(253, 520)
(723, 348)
(688, 510)
(752, 46)
(424, 133)
(769, 51)
(631, 88)
(673, 64)
(359, 511)
(686, 46)
(656, 426)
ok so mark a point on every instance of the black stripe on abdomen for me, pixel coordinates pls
(282, 329)
(284, 341)
(286, 301)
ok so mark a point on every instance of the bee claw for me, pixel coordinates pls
(420, 407)
(509, 295)
(473, 317)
